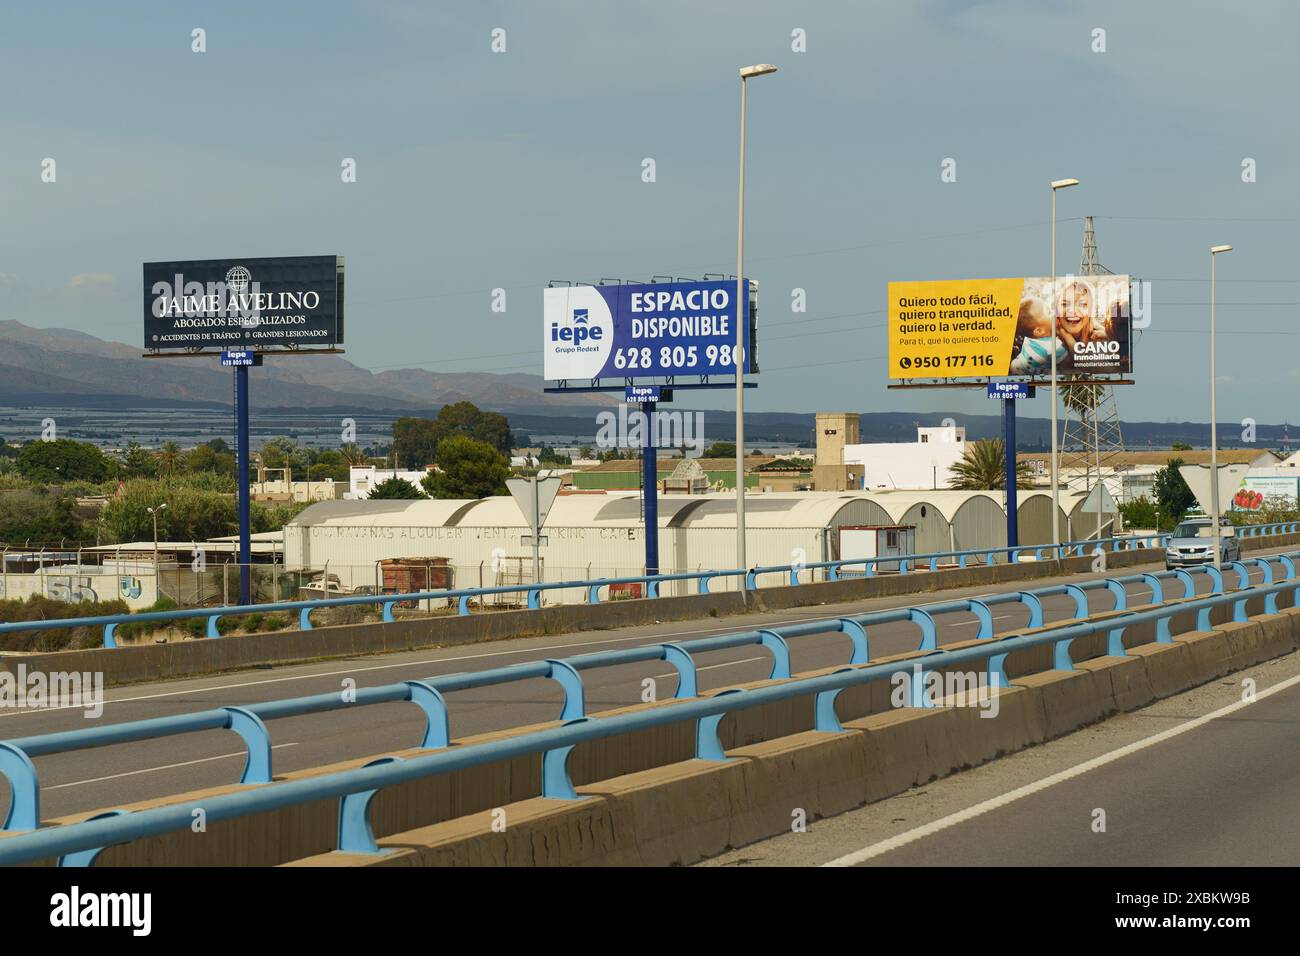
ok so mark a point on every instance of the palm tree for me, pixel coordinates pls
(169, 457)
(983, 467)
(353, 454)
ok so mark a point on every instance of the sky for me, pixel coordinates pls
(478, 170)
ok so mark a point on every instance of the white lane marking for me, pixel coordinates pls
(170, 766)
(996, 617)
(747, 660)
(994, 803)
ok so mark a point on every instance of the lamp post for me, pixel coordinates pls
(1214, 429)
(154, 512)
(1056, 309)
(742, 318)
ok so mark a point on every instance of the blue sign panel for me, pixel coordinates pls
(641, 393)
(1007, 389)
(235, 357)
(643, 331)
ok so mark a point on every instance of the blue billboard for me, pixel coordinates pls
(643, 331)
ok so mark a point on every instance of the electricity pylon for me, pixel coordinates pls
(1091, 438)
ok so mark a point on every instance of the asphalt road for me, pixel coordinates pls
(1199, 779)
(110, 776)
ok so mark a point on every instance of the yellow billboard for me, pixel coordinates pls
(994, 328)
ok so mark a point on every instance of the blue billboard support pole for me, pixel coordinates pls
(241, 451)
(650, 489)
(1009, 438)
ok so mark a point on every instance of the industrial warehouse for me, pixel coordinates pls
(599, 535)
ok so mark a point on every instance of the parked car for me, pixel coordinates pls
(1193, 545)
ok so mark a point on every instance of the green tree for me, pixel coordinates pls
(273, 517)
(192, 514)
(721, 449)
(169, 458)
(138, 462)
(354, 454)
(327, 463)
(983, 467)
(469, 469)
(202, 458)
(1180, 446)
(1172, 494)
(1140, 513)
(37, 517)
(284, 453)
(63, 460)
(395, 488)
(416, 440)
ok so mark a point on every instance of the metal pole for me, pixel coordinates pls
(241, 441)
(742, 315)
(650, 485)
(537, 533)
(1214, 436)
(1013, 524)
(1096, 445)
(1056, 306)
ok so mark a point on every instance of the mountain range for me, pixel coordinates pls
(68, 368)
(65, 367)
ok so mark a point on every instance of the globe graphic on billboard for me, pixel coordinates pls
(237, 278)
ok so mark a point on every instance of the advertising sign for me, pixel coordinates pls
(642, 331)
(968, 328)
(642, 393)
(1254, 493)
(1009, 390)
(288, 302)
(234, 358)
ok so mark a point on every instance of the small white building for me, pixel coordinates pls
(361, 478)
(925, 464)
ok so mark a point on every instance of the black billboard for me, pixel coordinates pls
(285, 302)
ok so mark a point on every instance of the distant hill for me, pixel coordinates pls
(71, 368)
(64, 367)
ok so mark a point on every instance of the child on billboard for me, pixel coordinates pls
(1032, 351)
(1084, 337)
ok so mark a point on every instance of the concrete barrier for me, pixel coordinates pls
(659, 805)
(147, 662)
(694, 809)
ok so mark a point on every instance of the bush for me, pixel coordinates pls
(37, 517)
(38, 608)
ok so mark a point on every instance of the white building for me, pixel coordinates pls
(593, 535)
(361, 478)
(897, 466)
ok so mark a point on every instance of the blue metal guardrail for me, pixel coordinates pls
(464, 596)
(80, 843)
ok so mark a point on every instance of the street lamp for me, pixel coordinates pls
(154, 512)
(1056, 309)
(1214, 429)
(742, 319)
